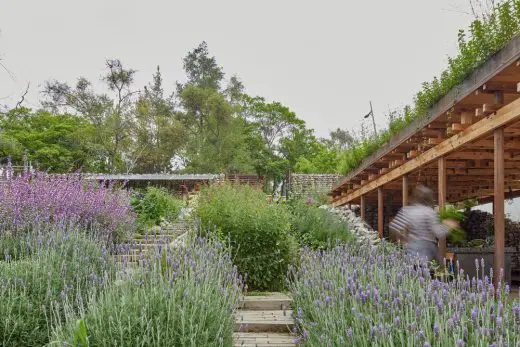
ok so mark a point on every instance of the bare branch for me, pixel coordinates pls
(22, 98)
(7, 70)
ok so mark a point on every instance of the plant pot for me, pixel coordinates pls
(466, 257)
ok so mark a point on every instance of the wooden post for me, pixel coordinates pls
(405, 190)
(499, 257)
(363, 208)
(380, 212)
(442, 201)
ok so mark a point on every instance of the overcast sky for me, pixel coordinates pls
(323, 59)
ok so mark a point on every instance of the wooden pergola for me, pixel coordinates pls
(467, 147)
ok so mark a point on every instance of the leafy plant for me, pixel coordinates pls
(258, 232)
(315, 227)
(456, 236)
(155, 205)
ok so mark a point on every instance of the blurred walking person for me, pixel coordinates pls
(418, 226)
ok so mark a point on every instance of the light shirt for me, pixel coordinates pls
(421, 222)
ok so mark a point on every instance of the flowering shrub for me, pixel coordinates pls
(182, 297)
(38, 202)
(45, 272)
(361, 297)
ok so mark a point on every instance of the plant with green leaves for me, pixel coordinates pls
(155, 205)
(315, 227)
(257, 232)
(457, 236)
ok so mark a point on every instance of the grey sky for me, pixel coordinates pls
(323, 59)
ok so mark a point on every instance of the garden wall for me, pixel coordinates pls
(303, 185)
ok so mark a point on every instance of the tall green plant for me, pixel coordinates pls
(258, 232)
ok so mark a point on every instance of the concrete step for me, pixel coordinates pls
(266, 302)
(251, 321)
(264, 340)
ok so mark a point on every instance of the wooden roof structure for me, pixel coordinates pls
(459, 129)
(467, 147)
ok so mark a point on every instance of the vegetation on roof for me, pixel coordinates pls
(486, 35)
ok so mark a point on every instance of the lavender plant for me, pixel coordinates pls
(180, 297)
(39, 202)
(46, 271)
(352, 295)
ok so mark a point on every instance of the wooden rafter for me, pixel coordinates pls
(503, 117)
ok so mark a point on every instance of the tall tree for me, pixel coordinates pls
(158, 134)
(112, 117)
(201, 69)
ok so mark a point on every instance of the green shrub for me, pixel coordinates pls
(186, 299)
(59, 268)
(156, 205)
(258, 232)
(315, 227)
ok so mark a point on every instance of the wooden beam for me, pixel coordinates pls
(466, 118)
(442, 201)
(482, 75)
(499, 257)
(380, 212)
(502, 117)
(405, 190)
(363, 208)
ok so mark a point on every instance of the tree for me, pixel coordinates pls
(216, 137)
(111, 117)
(158, 134)
(57, 143)
(273, 121)
(339, 139)
(201, 69)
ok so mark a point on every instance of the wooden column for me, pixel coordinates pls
(363, 208)
(380, 212)
(442, 201)
(499, 258)
(405, 190)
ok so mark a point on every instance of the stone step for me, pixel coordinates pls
(250, 321)
(264, 340)
(154, 239)
(128, 257)
(266, 302)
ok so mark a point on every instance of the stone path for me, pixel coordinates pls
(132, 252)
(264, 321)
